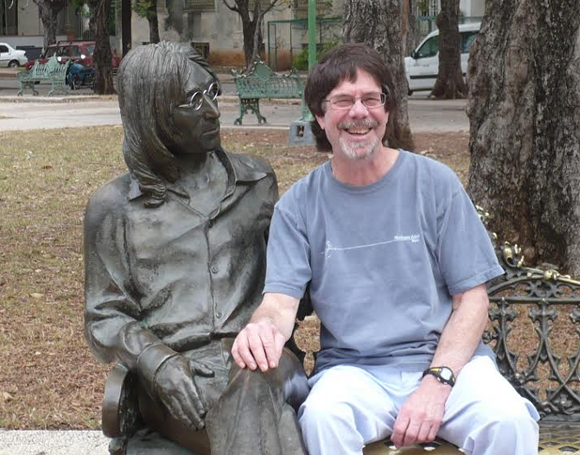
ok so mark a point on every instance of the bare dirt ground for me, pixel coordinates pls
(48, 377)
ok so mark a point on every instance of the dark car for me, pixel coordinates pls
(77, 51)
(31, 52)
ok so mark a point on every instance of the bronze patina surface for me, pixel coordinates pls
(175, 262)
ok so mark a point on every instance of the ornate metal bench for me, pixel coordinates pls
(52, 71)
(261, 82)
(524, 300)
(546, 303)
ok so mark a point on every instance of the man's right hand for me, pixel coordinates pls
(176, 389)
(259, 344)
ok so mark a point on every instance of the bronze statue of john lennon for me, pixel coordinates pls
(175, 262)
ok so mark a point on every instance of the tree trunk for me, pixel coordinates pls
(409, 27)
(524, 93)
(48, 11)
(256, 37)
(174, 18)
(248, 30)
(102, 55)
(449, 83)
(251, 25)
(153, 22)
(378, 23)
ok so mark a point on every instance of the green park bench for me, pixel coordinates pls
(52, 71)
(260, 83)
(546, 372)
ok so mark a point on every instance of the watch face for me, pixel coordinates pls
(446, 374)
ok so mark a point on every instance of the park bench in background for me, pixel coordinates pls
(261, 82)
(52, 71)
(524, 300)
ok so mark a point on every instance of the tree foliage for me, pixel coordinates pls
(147, 9)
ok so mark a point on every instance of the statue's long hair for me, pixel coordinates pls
(150, 84)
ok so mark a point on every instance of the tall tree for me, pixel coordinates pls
(48, 11)
(378, 23)
(409, 29)
(252, 13)
(147, 9)
(101, 12)
(449, 83)
(524, 93)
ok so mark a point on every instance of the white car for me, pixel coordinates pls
(422, 66)
(10, 57)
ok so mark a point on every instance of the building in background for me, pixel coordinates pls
(20, 23)
(208, 25)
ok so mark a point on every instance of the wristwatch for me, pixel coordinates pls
(443, 374)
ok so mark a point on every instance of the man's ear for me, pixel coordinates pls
(320, 120)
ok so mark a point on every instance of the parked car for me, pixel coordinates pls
(10, 57)
(31, 52)
(77, 51)
(422, 66)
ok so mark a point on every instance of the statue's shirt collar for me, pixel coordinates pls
(240, 170)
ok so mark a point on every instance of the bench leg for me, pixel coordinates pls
(24, 85)
(250, 105)
(58, 86)
(256, 110)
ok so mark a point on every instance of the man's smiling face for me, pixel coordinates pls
(355, 132)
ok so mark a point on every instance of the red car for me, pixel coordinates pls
(77, 51)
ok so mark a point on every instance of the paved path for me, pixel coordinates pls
(53, 443)
(28, 113)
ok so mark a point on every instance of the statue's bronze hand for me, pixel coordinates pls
(176, 388)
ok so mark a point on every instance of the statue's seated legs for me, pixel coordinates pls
(250, 412)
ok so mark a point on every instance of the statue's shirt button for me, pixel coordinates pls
(214, 269)
(218, 315)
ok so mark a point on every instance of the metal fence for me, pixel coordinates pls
(287, 40)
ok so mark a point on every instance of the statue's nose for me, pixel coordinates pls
(210, 107)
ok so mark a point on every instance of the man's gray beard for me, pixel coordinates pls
(350, 151)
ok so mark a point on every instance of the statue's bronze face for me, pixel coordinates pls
(196, 114)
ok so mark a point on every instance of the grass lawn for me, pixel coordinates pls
(48, 377)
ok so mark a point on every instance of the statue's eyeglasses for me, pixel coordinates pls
(196, 99)
(345, 102)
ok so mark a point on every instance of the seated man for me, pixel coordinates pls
(175, 262)
(397, 261)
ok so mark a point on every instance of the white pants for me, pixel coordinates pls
(349, 407)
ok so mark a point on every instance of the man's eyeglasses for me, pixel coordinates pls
(344, 102)
(196, 99)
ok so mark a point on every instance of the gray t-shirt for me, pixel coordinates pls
(382, 260)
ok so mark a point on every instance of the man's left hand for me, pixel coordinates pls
(421, 414)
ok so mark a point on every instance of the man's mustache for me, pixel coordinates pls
(364, 123)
